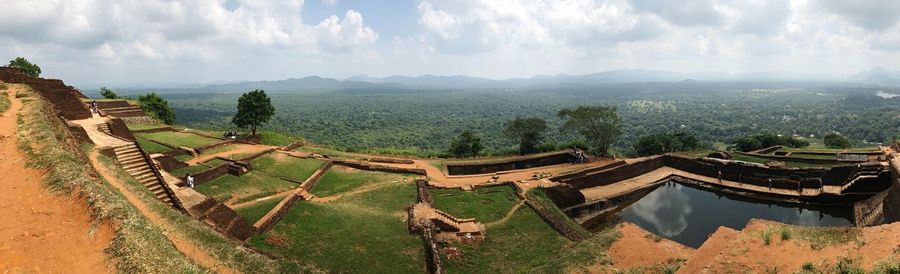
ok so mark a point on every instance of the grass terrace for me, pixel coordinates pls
(151, 146)
(254, 212)
(180, 139)
(250, 186)
(525, 243)
(331, 152)
(339, 179)
(194, 169)
(281, 165)
(486, 205)
(759, 160)
(214, 162)
(145, 126)
(362, 232)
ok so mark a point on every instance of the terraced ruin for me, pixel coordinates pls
(300, 207)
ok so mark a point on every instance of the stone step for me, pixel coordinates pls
(129, 152)
(134, 165)
(131, 160)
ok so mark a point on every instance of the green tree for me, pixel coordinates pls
(527, 131)
(835, 140)
(665, 143)
(600, 126)
(108, 93)
(26, 66)
(747, 144)
(466, 145)
(254, 109)
(157, 107)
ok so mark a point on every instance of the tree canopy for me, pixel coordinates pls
(157, 107)
(108, 93)
(528, 132)
(466, 145)
(760, 141)
(26, 66)
(600, 126)
(254, 109)
(666, 142)
(835, 140)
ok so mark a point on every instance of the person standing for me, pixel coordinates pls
(190, 180)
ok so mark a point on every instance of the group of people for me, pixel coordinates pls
(231, 134)
(580, 156)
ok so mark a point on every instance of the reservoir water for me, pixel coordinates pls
(688, 215)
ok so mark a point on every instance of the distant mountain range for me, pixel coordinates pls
(875, 76)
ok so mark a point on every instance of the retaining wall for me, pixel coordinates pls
(79, 133)
(370, 167)
(154, 130)
(118, 128)
(545, 159)
(270, 219)
(222, 218)
(169, 163)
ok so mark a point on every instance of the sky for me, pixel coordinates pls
(121, 42)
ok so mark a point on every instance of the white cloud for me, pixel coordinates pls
(203, 40)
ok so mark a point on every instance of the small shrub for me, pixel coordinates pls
(3, 86)
(808, 267)
(785, 233)
(767, 236)
(654, 237)
(846, 265)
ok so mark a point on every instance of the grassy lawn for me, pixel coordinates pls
(484, 204)
(747, 158)
(812, 156)
(144, 126)
(194, 169)
(539, 196)
(275, 138)
(252, 213)
(331, 152)
(220, 149)
(150, 146)
(286, 166)
(526, 244)
(215, 162)
(184, 157)
(363, 233)
(341, 179)
(245, 188)
(180, 139)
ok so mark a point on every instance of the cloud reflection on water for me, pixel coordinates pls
(667, 211)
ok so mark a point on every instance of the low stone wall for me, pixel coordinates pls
(370, 167)
(209, 174)
(256, 155)
(391, 160)
(582, 173)
(270, 219)
(154, 130)
(205, 148)
(314, 178)
(435, 265)
(553, 220)
(118, 128)
(138, 120)
(614, 175)
(423, 194)
(292, 146)
(169, 163)
(102, 105)
(222, 218)
(545, 159)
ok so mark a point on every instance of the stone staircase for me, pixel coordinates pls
(132, 159)
(104, 127)
(128, 111)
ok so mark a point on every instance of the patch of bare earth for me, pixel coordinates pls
(640, 248)
(39, 231)
(749, 252)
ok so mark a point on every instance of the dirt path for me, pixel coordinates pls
(237, 149)
(41, 232)
(194, 252)
(507, 216)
